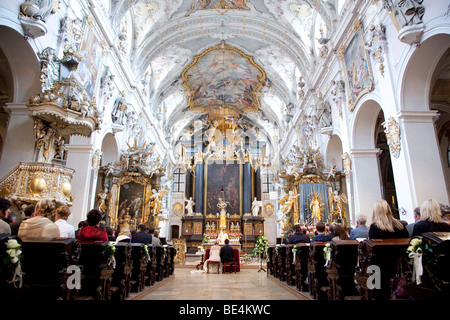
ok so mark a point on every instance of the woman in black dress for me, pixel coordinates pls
(384, 225)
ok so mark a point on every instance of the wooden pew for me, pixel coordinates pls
(171, 260)
(97, 271)
(280, 262)
(270, 261)
(437, 262)
(301, 266)
(44, 266)
(317, 280)
(341, 269)
(150, 277)
(121, 277)
(384, 253)
(289, 265)
(139, 267)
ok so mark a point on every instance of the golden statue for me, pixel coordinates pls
(155, 201)
(289, 205)
(315, 206)
(222, 205)
(125, 221)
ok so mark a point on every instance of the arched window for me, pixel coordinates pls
(179, 179)
(267, 181)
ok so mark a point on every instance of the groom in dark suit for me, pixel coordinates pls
(226, 252)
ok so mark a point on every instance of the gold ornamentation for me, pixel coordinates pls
(392, 131)
(32, 181)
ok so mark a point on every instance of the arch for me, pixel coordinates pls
(364, 124)
(334, 152)
(25, 67)
(110, 150)
(418, 73)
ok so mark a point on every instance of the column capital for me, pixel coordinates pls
(364, 153)
(417, 116)
(18, 108)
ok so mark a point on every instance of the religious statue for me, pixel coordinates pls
(155, 201)
(189, 206)
(125, 221)
(255, 207)
(315, 207)
(288, 202)
(222, 205)
(339, 201)
(222, 236)
(101, 196)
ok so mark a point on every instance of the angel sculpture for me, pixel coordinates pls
(338, 204)
(155, 200)
(288, 202)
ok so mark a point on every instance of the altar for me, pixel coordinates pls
(207, 246)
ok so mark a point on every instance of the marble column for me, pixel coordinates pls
(247, 186)
(366, 180)
(424, 177)
(79, 157)
(19, 141)
(199, 188)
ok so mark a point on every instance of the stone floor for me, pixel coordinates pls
(248, 284)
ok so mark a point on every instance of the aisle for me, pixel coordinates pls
(248, 284)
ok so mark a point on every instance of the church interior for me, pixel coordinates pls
(226, 123)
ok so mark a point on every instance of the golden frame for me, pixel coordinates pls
(241, 187)
(146, 185)
(355, 41)
(230, 109)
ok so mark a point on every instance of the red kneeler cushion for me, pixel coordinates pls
(236, 260)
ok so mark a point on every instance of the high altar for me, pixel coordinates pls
(222, 182)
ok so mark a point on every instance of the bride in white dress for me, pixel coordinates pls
(214, 255)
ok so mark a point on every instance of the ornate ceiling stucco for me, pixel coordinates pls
(164, 37)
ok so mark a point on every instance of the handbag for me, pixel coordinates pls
(398, 283)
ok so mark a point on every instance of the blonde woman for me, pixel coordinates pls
(384, 225)
(66, 230)
(430, 219)
(40, 226)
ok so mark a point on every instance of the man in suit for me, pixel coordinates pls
(226, 252)
(298, 236)
(141, 236)
(321, 235)
(361, 230)
(410, 226)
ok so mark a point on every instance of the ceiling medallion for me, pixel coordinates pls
(223, 79)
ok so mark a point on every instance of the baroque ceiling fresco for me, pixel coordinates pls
(246, 55)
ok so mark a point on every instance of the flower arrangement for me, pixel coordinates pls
(109, 252)
(261, 245)
(327, 250)
(11, 262)
(417, 252)
(146, 255)
(235, 235)
(206, 238)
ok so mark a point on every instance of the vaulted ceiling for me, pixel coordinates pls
(277, 38)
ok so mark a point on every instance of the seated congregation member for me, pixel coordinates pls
(384, 225)
(4, 212)
(321, 233)
(142, 236)
(29, 212)
(66, 230)
(226, 252)
(81, 225)
(92, 232)
(410, 227)
(361, 230)
(430, 219)
(124, 235)
(298, 236)
(155, 240)
(40, 226)
(340, 233)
